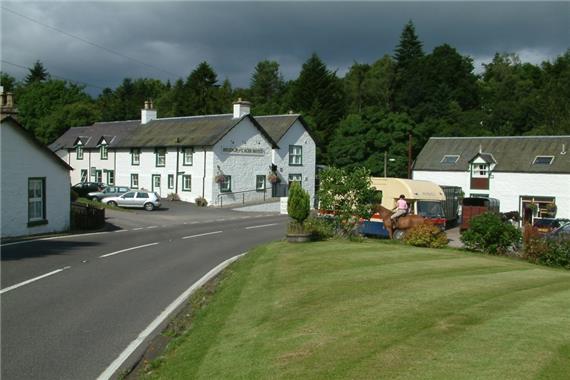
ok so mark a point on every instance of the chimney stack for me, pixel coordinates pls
(7, 103)
(241, 108)
(148, 113)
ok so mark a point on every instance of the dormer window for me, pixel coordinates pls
(79, 152)
(104, 150)
(480, 170)
(449, 159)
(543, 160)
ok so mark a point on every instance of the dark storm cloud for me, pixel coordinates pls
(234, 36)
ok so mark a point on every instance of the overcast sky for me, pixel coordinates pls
(233, 36)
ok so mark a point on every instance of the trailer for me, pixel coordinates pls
(424, 198)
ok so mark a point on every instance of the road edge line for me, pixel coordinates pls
(165, 314)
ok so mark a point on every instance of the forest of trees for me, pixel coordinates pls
(356, 118)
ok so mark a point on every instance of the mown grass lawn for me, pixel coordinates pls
(342, 310)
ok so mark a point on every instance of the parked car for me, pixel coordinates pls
(547, 225)
(560, 233)
(109, 191)
(84, 188)
(146, 199)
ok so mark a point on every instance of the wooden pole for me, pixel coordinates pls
(409, 154)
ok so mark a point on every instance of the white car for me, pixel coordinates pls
(143, 199)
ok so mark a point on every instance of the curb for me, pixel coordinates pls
(128, 358)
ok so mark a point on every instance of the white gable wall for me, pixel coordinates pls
(22, 159)
(509, 187)
(298, 135)
(242, 167)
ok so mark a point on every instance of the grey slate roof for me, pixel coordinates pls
(512, 154)
(114, 133)
(10, 119)
(277, 125)
(177, 131)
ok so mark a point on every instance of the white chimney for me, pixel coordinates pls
(148, 113)
(241, 108)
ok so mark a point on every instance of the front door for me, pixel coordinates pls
(156, 183)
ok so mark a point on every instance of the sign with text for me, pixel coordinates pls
(244, 150)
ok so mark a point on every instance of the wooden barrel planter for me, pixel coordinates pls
(87, 217)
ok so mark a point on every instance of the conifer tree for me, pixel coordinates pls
(37, 73)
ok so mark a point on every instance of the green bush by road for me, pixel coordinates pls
(336, 310)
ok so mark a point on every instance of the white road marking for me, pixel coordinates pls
(263, 225)
(128, 249)
(32, 280)
(116, 364)
(207, 233)
(121, 231)
(54, 238)
(148, 228)
(138, 228)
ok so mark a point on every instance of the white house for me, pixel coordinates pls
(225, 158)
(518, 171)
(34, 191)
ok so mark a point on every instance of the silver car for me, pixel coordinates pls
(109, 191)
(146, 199)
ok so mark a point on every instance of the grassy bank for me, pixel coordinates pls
(378, 310)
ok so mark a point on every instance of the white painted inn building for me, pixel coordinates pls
(222, 158)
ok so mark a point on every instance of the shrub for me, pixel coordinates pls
(320, 228)
(557, 254)
(298, 205)
(348, 194)
(488, 233)
(173, 197)
(201, 202)
(426, 235)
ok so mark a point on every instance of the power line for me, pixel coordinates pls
(91, 43)
(56, 76)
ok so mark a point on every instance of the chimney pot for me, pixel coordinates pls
(241, 108)
(148, 113)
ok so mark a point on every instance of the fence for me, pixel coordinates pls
(243, 197)
(86, 217)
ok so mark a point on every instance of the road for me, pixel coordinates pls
(103, 289)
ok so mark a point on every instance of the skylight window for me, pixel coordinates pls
(543, 160)
(450, 159)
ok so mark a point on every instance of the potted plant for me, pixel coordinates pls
(273, 178)
(219, 178)
(298, 208)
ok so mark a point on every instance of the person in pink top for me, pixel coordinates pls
(401, 207)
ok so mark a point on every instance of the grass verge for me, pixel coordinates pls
(336, 310)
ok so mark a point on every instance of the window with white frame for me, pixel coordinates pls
(295, 178)
(295, 155)
(104, 150)
(160, 157)
(79, 152)
(83, 175)
(110, 177)
(260, 182)
(480, 170)
(187, 156)
(186, 183)
(36, 199)
(171, 181)
(226, 184)
(135, 156)
(134, 181)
